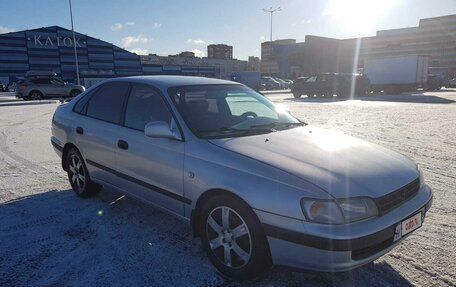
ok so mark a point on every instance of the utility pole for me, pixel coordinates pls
(74, 44)
(271, 11)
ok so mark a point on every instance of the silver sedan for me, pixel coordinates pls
(258, 186)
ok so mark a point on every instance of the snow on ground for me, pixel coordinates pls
(48, 236)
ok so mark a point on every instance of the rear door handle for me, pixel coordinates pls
(122, 144)
(80, 130)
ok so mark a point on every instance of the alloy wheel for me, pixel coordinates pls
(35, 96)
(229, 237)
(76, 173)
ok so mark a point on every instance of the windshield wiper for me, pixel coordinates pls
(228, 130)
(277, 125)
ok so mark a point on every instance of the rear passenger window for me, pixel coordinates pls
(145, 105)
(107, 103)
(79, 106)
(45, 81)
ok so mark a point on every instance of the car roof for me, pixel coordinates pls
(40, 73)
(165, 82)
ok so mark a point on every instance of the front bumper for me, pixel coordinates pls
(338, 248)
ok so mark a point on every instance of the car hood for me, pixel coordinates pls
(342, 165)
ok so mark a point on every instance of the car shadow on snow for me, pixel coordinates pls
(56, 238)
(404, 98)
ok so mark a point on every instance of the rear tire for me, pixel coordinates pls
(233, 239)
(78, 175)
(35, 95)
(296, 95)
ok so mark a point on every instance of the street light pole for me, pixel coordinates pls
(74, 44)
(271, 11)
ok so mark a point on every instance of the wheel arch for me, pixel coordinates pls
(65, 151)
(75, 89)
(196, 212)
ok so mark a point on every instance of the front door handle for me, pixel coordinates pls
(122, 144)
(80, 130)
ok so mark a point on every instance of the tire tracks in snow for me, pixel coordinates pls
(4, 148)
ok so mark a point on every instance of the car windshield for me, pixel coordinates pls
(218, 111)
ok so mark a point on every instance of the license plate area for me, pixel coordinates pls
(408, 225)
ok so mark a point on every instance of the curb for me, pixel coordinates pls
(9, 100)
(276, 92)
(27, 103)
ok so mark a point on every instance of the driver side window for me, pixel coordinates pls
(145, 105)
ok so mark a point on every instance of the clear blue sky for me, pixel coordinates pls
(169, 27)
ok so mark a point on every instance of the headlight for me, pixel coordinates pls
(355, 209)
(340, 211)
(322, 211)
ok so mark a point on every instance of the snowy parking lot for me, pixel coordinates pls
(48, 236)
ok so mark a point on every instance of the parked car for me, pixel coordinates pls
(283, 84)
(39, 85)
(298, 85)
(259, 186)
(269, 83)
(433, 83)
(3, 88)
(452, 83)
(330, 84)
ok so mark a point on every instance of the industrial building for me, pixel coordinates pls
(178, 65)
(278, 56)
(254, 64)
(315, 55)
(434, 37)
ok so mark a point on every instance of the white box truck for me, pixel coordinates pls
(248, 78)
(397, 73)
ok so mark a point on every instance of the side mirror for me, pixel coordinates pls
(161, 130)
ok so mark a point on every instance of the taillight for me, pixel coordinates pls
(22, 86)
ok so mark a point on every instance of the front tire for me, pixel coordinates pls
(233, 239)
(79, 176)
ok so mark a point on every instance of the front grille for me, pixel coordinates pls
(397, 197)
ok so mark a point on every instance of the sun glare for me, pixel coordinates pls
(357, 17)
